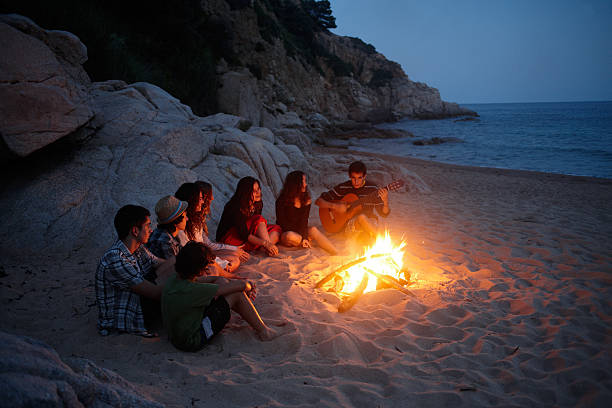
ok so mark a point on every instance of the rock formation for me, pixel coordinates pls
(43, 94)
(138, 144)
(33, 375)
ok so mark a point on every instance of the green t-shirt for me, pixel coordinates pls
(183, 304)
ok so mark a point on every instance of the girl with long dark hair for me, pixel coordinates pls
(241, 222)
(199, 196)
(292, 211)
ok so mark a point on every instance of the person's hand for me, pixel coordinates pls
(242, 254)
(250, 290)
(271, 249)
(306, 243)
(341, 207)
(383, 193)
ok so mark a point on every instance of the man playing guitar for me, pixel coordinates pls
(362, 217)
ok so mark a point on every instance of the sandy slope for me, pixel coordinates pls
(512, 307)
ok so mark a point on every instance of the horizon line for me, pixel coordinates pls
(516, 102)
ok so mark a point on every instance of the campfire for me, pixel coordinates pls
(381, 266)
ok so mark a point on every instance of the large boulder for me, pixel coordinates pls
(43, 88)
(142, 145)
(238, 94)
(33, 375)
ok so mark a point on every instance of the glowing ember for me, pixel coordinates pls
(390, 265)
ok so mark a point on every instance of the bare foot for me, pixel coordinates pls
(277, 323)
(268, 334)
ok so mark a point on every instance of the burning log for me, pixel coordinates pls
(348, 265)
(389, 281)
(349, 301)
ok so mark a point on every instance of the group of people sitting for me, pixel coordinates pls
(178, 273)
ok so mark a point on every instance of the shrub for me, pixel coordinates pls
(170, 44)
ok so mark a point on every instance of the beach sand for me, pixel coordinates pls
(512, 307)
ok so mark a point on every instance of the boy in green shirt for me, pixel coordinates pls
(196, 307)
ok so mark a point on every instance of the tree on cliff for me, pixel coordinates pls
(321, 13)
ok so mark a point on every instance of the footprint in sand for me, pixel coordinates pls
(346, 347)
(446, 316)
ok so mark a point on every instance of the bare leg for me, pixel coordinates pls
(322, 240)
(290, 239)
(274, 237)
(241, 304)
(262, 232)
(365, 225)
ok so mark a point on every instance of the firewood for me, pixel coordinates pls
(349, 301)
(346, 266)
(388, 280)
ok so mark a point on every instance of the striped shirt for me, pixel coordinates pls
(118, 307)
(368, 192)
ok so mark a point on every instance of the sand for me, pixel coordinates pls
(512, 307)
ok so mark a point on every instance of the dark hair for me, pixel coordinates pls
(206, 190)
(192, 259)
(357, 167)
(130, 216)
(292, 189)
(243, 194)
(171, 226)
(190, 192)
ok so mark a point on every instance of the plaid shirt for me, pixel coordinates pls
(119, 270)
(163, 244)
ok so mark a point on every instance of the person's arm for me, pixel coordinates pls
(302, 229)
(255, 240)
(283, 217)
(383, 207)
(330, 199)
(216, 246)
(234, 286)
(147, 289)
(165, 269)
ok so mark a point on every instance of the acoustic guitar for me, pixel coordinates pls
(333, 221)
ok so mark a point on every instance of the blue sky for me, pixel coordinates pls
(485, 51)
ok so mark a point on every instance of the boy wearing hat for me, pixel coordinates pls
(126, 275)
(171, 218)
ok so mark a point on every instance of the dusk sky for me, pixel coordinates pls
(484, 51)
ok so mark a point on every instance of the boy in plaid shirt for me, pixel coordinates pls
(127, 274)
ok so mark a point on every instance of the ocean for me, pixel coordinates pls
(572, 138)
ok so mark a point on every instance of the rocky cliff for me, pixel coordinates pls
(121, 144)
(274, 62)
(282, 75)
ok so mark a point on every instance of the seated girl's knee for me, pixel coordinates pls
(291, 238)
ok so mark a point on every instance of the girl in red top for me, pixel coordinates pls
(241, 222)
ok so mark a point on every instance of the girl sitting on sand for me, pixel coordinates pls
(199, 196)
(194, 312)
(171, 218)
(292, 211)
(241, 222)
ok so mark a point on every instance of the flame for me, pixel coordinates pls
(389, 265)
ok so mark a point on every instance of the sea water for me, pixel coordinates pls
(572, 138)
